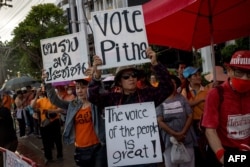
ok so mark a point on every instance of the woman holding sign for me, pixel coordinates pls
(82, 126)
(126, 78)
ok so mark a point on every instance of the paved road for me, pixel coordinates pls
(30, 147)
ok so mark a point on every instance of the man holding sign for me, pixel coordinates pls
(126, 78)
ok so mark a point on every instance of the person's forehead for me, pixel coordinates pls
(182, 65)
(127, 71)
(241, 69)
(80, 84)
(198, 72)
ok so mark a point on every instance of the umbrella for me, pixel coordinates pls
(18, 82)
(36, 85)
(189, 24)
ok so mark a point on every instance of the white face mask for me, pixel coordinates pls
(179, 90)
(69, 92)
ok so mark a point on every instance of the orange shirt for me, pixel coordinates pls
(155, 84)
(45, 104)
(201, 94)
(7, 101)
(84, 129)
(69, 97)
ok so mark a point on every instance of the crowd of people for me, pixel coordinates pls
(202, 117)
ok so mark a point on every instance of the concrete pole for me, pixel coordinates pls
(206, 59)
(72, 15)
(83, 22)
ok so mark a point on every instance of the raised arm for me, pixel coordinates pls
(165, 87)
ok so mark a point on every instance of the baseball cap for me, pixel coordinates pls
(190, 71)
(241, 59)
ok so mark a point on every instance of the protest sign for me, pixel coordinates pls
(65, 57)
(13, 160)
(120, 36)
(132, 134)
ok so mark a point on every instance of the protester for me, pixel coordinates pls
(28, 96)
(70, 92)
(50, 125)
(20, 113)
(174, 117)
(221, 76)
(7, 100)
(224, 113)
(153, 80)
(84, 126)
(196, 93)
(60, 90)
(126, 77)
(180, 67)
(143, 81)
(8, 138)
(35, 112)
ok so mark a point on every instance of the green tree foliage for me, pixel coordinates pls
(240, 44)
(43, 21)
(8, 60)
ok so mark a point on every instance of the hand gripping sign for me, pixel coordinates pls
(132, 134)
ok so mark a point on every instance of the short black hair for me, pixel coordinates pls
(82, 81)
(19, 92)
(28, 87)
(177, 80)
(180, 62)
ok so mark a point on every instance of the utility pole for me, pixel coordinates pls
(73, 21)
(4, 3)
(83, 21)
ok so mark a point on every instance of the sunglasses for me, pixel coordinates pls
(127, 76)
(240, 73)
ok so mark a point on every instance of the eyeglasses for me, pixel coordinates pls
(127, 76)
(240, 73)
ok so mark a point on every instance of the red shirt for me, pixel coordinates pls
(232, 122)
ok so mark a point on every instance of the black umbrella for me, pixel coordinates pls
(18, 82)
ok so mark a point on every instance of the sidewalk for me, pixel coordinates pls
(30, 147)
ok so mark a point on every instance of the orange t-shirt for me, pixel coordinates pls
(45, 104)
(7, 101)
(84, 129)
(201, 94)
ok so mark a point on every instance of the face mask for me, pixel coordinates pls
(241, 85)
(179, 90)
(69, 92)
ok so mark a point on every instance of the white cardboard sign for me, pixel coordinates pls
(120, 36)
(65, 57)
(132, 134)
(13, 160)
